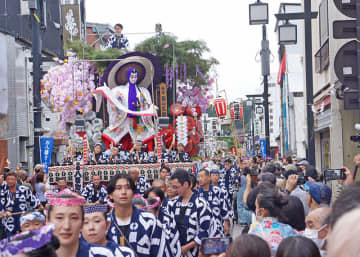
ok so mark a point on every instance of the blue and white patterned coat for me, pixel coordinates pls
(102, 158)
(181, 157)
(228, 180)
(117, 42)
(220, 208)
(117, 249)
(147, 237)
(141, 185)
(141, 157)
(172, 234)
(91, 196)
(22, 200)
(91, 250)
(195, 221)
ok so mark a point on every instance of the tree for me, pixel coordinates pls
(189, 52)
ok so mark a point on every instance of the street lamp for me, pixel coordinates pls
(287, 34)
(307, 16)
(258, 13)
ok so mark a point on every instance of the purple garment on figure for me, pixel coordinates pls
(132, 93)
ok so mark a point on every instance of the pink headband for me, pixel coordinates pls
(57, 200)
(154, 205)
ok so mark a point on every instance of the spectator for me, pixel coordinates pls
(343, 240)
(40, 189)
(268, 212)
(267, 176)
(38, 169)
(251, 198)
(269, 167)
(297, 246)
(23, 179)
(348, 200)
(249, 246)
(293, 213)
(319, 195)
(292, 188)
(309, 171)
(244, 214)
(317, 228)
(118, 40)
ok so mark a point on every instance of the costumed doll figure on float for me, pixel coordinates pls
(130, 109)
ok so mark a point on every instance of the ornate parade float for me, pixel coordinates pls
(131, 95)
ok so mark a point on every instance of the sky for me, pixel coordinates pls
(223, 25)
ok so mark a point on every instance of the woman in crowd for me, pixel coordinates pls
(40, 189)
(96, 226)
(268, 212)
(154, 198)
(293, 213)
(249, 246)
(298, 246)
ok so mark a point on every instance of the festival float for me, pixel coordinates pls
(127, 90)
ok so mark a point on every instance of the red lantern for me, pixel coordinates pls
(220, 107)
(236, 111)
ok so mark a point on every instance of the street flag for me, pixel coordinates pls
(46, 145)
(282, 69)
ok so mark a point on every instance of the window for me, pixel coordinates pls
(322, 55)
(323, 22)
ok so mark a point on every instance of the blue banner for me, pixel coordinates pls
(263, 148)
(46, 144)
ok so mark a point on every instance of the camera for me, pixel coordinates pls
(301, 179)
(334, 174)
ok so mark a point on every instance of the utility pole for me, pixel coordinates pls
(309, 82)
(265, 70)
(36, 58)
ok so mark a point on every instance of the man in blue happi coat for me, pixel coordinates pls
(141, 183)
(137, 229)
(192, 214)
(16, 199)
(95, 191)
(220, 206)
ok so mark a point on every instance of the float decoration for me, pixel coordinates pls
(67, 88)
(220, 107)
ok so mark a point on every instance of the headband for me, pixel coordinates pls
(91, 208)
(27, 241)
(57, 200)
(31, 217)
(154, 205)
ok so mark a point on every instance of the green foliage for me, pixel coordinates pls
(85, 52)
(189, 52)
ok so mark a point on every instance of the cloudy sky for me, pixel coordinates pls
(223, 25)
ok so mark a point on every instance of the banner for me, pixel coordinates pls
(263, 148)
(46, 144)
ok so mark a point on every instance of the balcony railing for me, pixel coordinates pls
(322, 58)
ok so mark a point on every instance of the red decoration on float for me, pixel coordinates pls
(236, 110)
(220, 107)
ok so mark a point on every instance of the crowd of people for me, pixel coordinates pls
(138, 154)
(276, 208)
